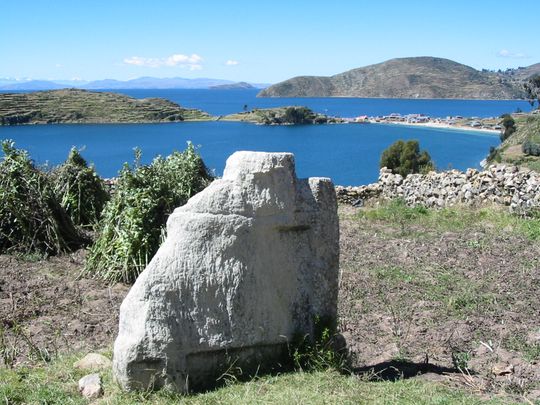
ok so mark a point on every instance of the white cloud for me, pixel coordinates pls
(191, 62)
(505, 53)
(232, 62)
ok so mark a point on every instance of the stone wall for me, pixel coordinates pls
(510, 186)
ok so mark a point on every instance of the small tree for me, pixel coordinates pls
(406, 158)
(532, 88)
(509, 126)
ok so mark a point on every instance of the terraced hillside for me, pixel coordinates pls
(511, 150)
(73, 106)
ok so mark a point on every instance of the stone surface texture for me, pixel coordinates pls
(248, 263)
(93, 361)
(90, 386)
(504, 185)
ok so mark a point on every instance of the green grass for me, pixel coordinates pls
(413, 221)
(56, 383)
(518, 342)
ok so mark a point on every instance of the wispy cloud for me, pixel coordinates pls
(191, 62)
(505, 53)
(232, 62)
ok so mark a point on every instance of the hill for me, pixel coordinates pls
(511, 150)
(233, 86)
(74, 106)
(418, 77)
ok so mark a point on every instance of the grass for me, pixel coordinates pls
(56, 383)
(413, 221)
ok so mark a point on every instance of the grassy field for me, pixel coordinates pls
(56, 383)
(436, 306)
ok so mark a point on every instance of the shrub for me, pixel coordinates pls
(405, 158)
(31, 217)
(80, 190)
(531, 148)
(133, 221)
(509, 126)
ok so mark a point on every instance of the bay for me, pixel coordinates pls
(349, 154)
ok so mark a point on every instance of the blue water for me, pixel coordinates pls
(220, 102)
(349, 154)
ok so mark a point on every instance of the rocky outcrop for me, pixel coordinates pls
(248, 263)
(518, 189)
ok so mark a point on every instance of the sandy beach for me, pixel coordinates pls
(440, 126)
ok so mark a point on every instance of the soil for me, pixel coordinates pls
(46, 308)
(460, 307)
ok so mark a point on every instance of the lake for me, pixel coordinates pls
(221, 102)
(349, 154)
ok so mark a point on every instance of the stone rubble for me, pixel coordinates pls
(504, 185)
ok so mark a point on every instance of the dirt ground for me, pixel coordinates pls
(46, 309)
(460, 306)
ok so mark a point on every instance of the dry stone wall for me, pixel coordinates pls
(510, 186)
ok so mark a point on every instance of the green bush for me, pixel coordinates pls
(531, 148)
(405, 158)
(31, 217)
(509, 126)
(80, 190)
(133, 221)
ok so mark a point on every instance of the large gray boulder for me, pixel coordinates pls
(248, 264)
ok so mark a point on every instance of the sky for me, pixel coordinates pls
(257, 40)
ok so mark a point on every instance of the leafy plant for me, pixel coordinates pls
(32, 219)
(80, 190)
(319, 351)
(405, 158)
(133, 221)
(460, 360)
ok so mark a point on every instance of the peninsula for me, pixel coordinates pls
(74, 106)
(418, 77)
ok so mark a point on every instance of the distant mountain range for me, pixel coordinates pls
(418, 77)
(139, 83)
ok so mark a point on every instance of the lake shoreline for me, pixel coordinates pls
(434, 125)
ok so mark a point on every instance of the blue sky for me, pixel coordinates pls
(257, 41)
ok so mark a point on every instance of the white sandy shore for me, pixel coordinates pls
(441, 126)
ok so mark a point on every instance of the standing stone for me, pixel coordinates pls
(248, 264)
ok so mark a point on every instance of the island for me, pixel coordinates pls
(291, 115)
(233, 86)
(75, 106)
